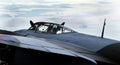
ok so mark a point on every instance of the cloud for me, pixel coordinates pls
(70, 1)
(62, 6)
(33, 10)
(66, 8)
(5, 15)
(98, 13)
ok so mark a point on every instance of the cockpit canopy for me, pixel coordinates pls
(47, 27)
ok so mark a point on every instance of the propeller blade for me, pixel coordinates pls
(63, 23)
(33, 27)
(31, 23)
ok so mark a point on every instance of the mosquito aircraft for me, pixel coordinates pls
(46, 43)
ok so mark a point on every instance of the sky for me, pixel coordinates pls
(84, 16)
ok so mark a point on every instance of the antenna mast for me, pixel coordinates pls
(102, 35)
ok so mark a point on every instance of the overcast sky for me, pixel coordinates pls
(85, 16)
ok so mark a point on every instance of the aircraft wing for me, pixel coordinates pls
(51, 46)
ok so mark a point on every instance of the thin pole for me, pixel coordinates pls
(103, 30)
